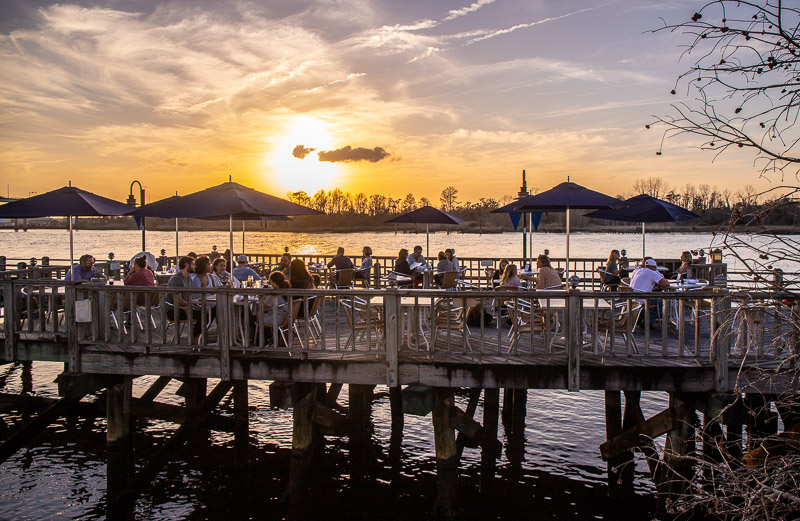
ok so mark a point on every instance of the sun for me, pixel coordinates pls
(309, 173)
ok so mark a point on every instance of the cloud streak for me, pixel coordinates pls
(517, 27)
(349, 154)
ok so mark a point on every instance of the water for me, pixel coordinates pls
(61, 474)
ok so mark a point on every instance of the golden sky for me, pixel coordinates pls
(182, 94)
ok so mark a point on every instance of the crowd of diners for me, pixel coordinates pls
(198, 272)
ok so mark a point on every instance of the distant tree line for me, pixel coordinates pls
(714, 205)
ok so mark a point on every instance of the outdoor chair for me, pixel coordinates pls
(311, 321)
(362, 320)
(623, 319)
(290, 322)
(526, 316)
(344, 280)
(449, 317)
(449, 280)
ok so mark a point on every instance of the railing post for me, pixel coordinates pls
(720, 338)
(376, 275)
(224, 326)
(73, 348)
(391, 307)
(10, 319)
(574, 338)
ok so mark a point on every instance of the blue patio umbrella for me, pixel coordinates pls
(68, 201)
(560, 198)
(225, 201)
(645, 209)
(427, 215)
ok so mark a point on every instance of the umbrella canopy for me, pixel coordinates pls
(562, 197)
(427, 215)
(225, 201)
(152, 263)
(645, 209)
(68, 201)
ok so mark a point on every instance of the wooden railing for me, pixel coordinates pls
(569, 328)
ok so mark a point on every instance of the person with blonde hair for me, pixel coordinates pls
(510, 277)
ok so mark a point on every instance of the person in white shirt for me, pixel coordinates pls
(646, 279)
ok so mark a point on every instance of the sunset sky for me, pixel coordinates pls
(182, 94)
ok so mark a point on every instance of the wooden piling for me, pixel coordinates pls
(360, 413)
(241, 433)
(119, 442)
(446, 455)
(491, 413)
(302, 449)
(679, 444)
(396, 404)
(613, 403)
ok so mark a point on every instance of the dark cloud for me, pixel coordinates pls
(301, 152)
(348, 154)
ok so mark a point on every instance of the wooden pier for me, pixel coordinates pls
(708, 348)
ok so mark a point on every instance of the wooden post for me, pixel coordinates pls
(360, 412)
(396, 402)
(446, 455)
(677, 466)
(574, 339)
(118, 439)
(491, 411)
(633, 416)
(73, 348)
(302, 449)
(10, 319)
(241, 431)
(614, 428)
(224, 336)
(720, 339)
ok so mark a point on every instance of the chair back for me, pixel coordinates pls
(345, 278)
(449, 279)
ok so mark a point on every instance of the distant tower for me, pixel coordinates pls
(523, 190)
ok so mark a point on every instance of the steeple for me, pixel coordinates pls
(523, 190)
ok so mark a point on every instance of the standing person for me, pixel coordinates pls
(443, 265)
(417, 260)
(339, 262)
(140, 275)
(242, 271)
(182, 279)
(83, 270)
(363, 272)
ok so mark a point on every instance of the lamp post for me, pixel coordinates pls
(132, 202)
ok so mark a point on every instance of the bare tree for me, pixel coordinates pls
(377, 204)
(449, 198)
(320, 200)
(424, 201)
(409, 203)
(360, 203)
(652, 186)
(744, 80)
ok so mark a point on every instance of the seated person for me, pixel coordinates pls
(611, 277)
(242, 271)
(363, 272)
(510, 279)
(284, 266)
(276, 307)
(647, 279)
(686, 262)
(302, 279)
(339, 262)
(83, 270)
(401, 266)
(202, 278)
(417, 258)
(495, 275)
(443, 265)
(548, 277)
(451, 256)
(182, 279)
(219, 272)
(140, 275)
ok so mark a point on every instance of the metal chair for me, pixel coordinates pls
(448, 317)
(361, 319)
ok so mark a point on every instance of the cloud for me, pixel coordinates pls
(300, 152)
(349, 154)
(455, 13)
(531, 24)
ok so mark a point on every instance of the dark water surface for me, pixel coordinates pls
(62, 473)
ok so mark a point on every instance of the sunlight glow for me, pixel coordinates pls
(308, 174)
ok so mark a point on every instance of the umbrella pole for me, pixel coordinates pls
(242, 236)
(642, 240)
(71, 250)
(230, 227)
(566, 269)
(177, 250)
(427, 242)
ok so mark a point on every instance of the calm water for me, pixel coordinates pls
(61, 475)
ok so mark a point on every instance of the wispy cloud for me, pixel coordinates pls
(456, 13)
(517, 27)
